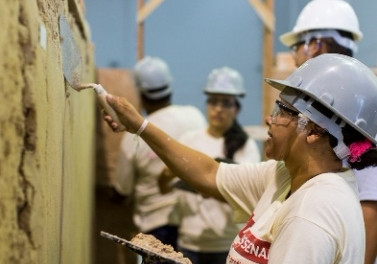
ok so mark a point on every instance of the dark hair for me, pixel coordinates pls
(334, 47)
(234, 138)
(350, 135)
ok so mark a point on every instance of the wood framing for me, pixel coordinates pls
(264, 9)
(143, 11)
(147, 9)
(265, 12)
(140, 32)
(268, 61)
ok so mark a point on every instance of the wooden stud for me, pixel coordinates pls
(147, 9)
(268, 63)
(140, 33)
(265, 13)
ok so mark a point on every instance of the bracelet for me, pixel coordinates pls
(142, 127)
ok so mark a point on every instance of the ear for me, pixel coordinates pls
(313, 137)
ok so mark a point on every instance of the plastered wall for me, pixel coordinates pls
(47, 141)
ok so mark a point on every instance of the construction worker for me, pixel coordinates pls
(207, 228)
(323, 26)
(301, 206)
(139, 167)
(331, 26)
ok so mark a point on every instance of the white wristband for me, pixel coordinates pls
(142, 127)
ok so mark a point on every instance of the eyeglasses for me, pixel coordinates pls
(285, 113)
(224, 103)
(295, 46)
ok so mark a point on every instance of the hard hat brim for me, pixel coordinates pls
(289, 38)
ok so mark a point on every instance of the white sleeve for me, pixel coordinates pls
(367, 183)
(301, 241)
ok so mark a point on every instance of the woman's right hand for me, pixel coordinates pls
(126, 112)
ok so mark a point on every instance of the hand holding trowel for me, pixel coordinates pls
(72, 69)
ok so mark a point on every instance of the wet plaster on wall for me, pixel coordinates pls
(44, 128)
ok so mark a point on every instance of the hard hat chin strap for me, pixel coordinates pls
(341, 150)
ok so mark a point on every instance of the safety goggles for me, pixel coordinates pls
(282, 114)
(224, 103)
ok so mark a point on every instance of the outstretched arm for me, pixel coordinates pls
(194, 167)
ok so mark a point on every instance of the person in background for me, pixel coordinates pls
(301, 206)
(331, 26)
(323, 26)
(207, 228)
(139, 167)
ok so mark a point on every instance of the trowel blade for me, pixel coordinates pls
(72, 67)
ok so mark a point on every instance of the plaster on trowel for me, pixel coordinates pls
(72, 69)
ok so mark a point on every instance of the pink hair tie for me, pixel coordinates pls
(359, 148)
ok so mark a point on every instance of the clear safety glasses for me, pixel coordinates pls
(282, 114)
(223, 103)
(296, 46)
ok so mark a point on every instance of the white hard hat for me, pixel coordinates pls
(333, 90)
(225, 81)
(324, 14)
(152, 76)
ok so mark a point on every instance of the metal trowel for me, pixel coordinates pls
(147, 254)
(72, 65)
(72, 69)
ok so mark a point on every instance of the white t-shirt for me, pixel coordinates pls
(207, 224)
(321, 222)
(139, 167)
(367, 183)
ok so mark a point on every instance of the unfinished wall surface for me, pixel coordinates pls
(47, 140)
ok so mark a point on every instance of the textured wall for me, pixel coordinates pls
(46, 137)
